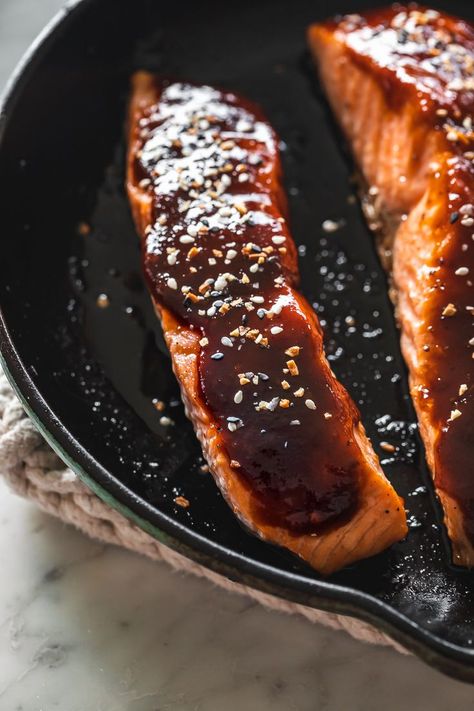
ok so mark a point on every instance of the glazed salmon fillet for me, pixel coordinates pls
(401, 84)
(281, 436)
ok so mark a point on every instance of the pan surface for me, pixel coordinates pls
(90, 368)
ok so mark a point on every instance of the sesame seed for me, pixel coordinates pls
(471, 342)
(226, 341)
(103, 301)
(327, 415)
(449, 310)
(330, 226)
(278, 240)
(462, 271)
(275, 330)
(166, 421)
(238, 397)
(217, 356)
(186, 239)
(310, 404)
(172, 283)
(292, 367)
(295, 422)
(257, 299)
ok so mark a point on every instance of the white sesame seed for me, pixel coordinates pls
(238, 397)
(275, 330)
(278, 240)
(295, 422)
(330, 226)
(243, 177)
(254, 268)
(467, 221)
(211, 311)
(231, 254)
(310, 404)
(192, 230)
(471, 342)
(165, 421)
(186, 239)
(226, 341)
(171, 258)
(172, 283)
(327, 415)
(257, 299)
(462, 271)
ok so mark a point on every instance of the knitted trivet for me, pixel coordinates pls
(34, 471)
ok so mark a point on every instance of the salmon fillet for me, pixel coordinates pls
(401, 84)
(280, 434)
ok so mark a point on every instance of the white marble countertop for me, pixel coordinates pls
(85, 627)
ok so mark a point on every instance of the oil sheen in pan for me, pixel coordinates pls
(122, 366)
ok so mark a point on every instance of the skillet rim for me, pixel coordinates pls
(445, 656)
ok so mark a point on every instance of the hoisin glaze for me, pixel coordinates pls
(219, 255)
(424, 62)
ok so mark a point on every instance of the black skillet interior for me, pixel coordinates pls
(99, 369)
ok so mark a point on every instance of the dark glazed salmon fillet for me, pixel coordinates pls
(401, 84)
(281, 435)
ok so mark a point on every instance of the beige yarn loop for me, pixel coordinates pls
(35, 472)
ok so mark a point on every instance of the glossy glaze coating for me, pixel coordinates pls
(417, 53)
(424, 62)
(220, 257)
(446, 359)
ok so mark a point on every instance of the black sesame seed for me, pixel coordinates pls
(453, 217)
(217, 356)
(402, 36)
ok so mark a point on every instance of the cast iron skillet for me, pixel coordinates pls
(88, 375)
